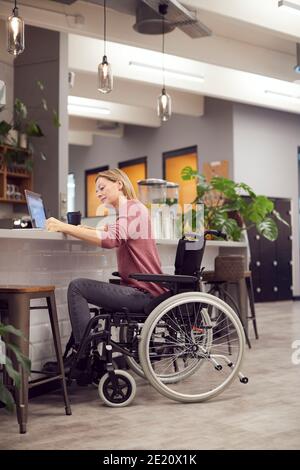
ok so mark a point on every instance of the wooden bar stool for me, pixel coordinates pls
(230, 270)
(17, 300)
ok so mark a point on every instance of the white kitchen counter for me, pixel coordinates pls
(36, 257)
(33, 234)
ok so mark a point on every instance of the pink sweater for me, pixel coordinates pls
(136, 248)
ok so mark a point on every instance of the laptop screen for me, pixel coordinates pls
(36, 209)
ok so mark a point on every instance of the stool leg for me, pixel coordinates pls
(236, 307)
(57, 345)
(239, 296)
(19, 317)
(250, 291)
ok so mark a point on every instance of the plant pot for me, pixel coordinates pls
(12, 137)
(23, 141)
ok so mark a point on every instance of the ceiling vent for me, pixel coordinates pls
(149, 20)
(107, 125)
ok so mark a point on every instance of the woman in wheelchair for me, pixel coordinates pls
(187, 343)
(136, 253)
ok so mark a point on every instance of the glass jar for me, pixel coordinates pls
(172, 193)
(152, 191)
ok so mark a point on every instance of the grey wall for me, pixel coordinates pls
(7, 75)
(212, 133)
(266, 157)
(41, 61)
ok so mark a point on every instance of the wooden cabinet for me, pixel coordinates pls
(14, 174)
(271, 262)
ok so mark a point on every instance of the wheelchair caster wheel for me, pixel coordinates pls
(97, 374)
(120, 394)
(244, 380)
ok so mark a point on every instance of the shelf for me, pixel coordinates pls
(18, 175)
(13, 201)
(14, 148)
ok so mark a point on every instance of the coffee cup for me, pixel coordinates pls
(74, 218)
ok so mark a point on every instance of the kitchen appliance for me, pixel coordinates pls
(153, 193)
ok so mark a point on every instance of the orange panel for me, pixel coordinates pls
(92, 201)
(135, 172)
(174, 166)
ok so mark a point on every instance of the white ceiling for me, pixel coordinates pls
(252, 49)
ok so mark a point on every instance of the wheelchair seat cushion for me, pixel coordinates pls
(156, 301)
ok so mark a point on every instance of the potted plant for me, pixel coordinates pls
(23, 127)
(233, 207)
(5, 396)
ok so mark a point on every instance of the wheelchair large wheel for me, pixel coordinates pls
(185, 332)
(131, 335)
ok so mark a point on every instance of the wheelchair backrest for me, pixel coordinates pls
(189, 254)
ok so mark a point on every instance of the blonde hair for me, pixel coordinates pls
(119, 175)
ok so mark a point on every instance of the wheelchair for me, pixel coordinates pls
(188, 344)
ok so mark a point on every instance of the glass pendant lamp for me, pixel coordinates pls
(15, 33)
(164, 102)
(105, 77)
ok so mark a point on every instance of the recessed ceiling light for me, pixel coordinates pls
(168, 72)
(78, 106)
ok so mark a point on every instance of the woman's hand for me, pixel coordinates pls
(55, 225)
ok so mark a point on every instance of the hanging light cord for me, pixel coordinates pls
(15, 10)
(163, 51)
(104, 28)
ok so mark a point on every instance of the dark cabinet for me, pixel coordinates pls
(271, 262)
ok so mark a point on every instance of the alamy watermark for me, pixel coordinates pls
(296, 354)
(2, 352)
(164, 221)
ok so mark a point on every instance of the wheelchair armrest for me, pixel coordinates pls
(166, 278)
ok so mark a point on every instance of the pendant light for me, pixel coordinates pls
(105, 78)
(15, 32)
(164, 104)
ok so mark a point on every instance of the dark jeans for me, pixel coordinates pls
(112, 297)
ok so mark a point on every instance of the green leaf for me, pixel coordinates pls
(247, 189)
(9, 329)
(278, 216)
(40, 85)
(20, 109)
(187, 173)
(13, 373)
(24, 361)
(4, 128)
(44, 104)
(258, 209)
(268, 229)
(55, 119)
(6, 398)
(34, 130)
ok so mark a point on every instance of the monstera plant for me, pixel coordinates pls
(233, 207)
(5, 361)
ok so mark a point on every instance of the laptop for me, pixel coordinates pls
(36, 210)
